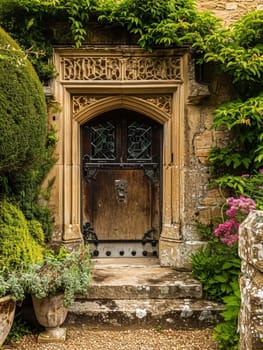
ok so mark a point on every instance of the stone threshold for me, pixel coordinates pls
(138, 291)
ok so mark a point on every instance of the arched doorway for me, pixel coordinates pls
(121, 156)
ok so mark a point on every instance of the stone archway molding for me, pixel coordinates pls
(151, 84)
(139, 104)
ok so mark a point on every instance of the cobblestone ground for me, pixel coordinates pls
(90, 338)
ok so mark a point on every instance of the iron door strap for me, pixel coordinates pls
(151, 170)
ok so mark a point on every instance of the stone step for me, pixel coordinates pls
(138, 292)
(140, 279)
(167, 313)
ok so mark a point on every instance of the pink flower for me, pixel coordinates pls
(261, 170)
(245, 175)
(227, 232)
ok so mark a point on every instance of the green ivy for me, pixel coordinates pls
(244, 120)
(152, 23)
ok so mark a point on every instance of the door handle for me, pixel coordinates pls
(121, 189)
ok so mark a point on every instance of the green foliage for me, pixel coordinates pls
(226, 331)
(245, 150)
(217, 267)
(31, 23)
(205, 231)
(67, 272)
(10, 285)
(238, 51)
(17, 246)
(19, 328)
(26, 145)
(160, 22)
(36, 231)
(248, 185)
(22, 115)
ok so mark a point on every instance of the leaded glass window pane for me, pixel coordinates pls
(103, 141)
(139, 141)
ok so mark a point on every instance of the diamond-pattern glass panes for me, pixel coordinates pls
(103, 141)
(139, 141)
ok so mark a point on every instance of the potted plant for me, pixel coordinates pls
(18, 248)
(53, 284)
(11, 291)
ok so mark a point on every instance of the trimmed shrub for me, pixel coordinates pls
(23, 116)
(25, 141)
(17, 245)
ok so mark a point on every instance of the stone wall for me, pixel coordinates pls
(251, 282)
(188, 133)
(230, 11)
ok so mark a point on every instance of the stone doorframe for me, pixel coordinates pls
(94, 80)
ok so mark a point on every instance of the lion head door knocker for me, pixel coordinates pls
(121, 189)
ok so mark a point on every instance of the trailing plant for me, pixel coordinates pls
(238, 51)
(65, 272)
(162, 23)
(10, 284)
(165, 23)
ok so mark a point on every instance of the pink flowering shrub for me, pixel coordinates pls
(237, 211)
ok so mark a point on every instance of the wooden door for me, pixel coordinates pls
(121, 153)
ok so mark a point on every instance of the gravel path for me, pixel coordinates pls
(90, 338)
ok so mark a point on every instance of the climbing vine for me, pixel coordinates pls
(238, 51)
(152, 23)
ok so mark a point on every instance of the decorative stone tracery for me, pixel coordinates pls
(163, 102)
(121, 68)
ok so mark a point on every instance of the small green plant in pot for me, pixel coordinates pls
(53, 285)
(18, 248)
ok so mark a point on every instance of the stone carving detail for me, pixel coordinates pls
(251, 282)
(121, 68)
(80, 102)
(163, 102)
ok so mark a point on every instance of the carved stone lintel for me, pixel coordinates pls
(121, 68)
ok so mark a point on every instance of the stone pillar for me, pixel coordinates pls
(251, 282)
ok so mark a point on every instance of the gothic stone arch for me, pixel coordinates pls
(94, 80)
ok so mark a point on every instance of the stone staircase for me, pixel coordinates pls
(137, 291)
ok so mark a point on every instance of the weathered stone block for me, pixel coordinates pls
(178, 254)
(251, 239)
(251, 282)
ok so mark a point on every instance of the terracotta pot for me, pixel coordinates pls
(7, 314)
(51, 313)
